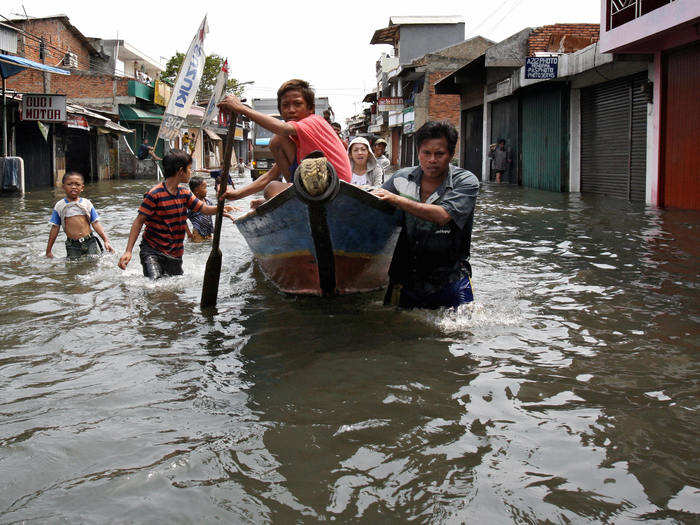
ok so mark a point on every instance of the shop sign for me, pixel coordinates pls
(78, 122)
(161, 93)
(395, 119)
(538, 68)
(47, 108)
(409, 116)
(389, 104)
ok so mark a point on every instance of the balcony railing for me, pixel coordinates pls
(622, 11)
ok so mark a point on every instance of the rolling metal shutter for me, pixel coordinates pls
(613, 138)
(545, 138)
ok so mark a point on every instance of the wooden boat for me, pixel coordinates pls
(339, 241)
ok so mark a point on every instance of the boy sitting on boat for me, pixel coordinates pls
(301, 133)
(78, 218)
(431, 263)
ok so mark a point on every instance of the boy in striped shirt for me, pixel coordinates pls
(164, 212)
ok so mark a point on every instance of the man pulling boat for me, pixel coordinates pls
(431, 266)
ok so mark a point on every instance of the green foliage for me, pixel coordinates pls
(212, 66)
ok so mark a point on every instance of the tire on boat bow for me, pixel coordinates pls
(315, 180)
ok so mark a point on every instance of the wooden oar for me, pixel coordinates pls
(212, 272)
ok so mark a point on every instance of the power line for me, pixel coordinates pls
(513, 8)
(489, 16)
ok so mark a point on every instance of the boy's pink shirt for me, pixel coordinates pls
(313, 132)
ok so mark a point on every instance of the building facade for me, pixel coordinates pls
(87, 142)
(667, 30)
(423, 49)
(582, 126)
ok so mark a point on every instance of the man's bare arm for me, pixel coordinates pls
(428, 212)
(278, 127)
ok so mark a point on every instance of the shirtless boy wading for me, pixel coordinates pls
(78, 218)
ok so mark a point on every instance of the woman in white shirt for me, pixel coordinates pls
(365, 170)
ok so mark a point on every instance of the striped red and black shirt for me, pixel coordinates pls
(166, 217)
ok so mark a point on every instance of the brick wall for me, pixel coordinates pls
(83, 82)
(78, 84)
(59, 40)
(567, 37)
(442, 107)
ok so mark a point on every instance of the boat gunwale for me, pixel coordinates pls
(353, 191)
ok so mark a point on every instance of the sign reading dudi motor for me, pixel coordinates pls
(43, 107)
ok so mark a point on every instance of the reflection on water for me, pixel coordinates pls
(567, 392)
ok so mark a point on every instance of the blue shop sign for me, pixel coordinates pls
(538, 68)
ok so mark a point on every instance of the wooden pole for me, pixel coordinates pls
(212, 272)
(4, 120)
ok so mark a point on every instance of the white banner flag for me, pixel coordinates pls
(186, 86)
(212, 111)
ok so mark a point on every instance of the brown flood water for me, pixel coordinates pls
(569, 393)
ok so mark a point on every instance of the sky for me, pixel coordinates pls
(268, 42)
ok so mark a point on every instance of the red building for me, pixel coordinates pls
(667, 29)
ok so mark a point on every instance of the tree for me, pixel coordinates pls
(212, 66)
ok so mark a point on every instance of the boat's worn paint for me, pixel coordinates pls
(340, 246)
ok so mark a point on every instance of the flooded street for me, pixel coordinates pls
(568, 394)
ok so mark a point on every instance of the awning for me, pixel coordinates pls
(212, 135)
(80, 110)
(116, 127)
(473, 72)
(132, 113)
(387, 35)
(11, 65)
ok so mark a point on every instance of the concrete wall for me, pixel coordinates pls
(575, 140)
(510, 52)
(654, 133)
(485, 142)
(417, 40)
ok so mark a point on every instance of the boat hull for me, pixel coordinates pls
(341, 246)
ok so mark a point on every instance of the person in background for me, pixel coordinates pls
(215, 173)
(186, 142)
(202, 225)
(146, 151)
(430, 268)
(327, 116)
(501, 159)
(338, 131)
(379, 149)
(78, 218)
(365, 170)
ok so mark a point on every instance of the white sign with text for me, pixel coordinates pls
(43, 107)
